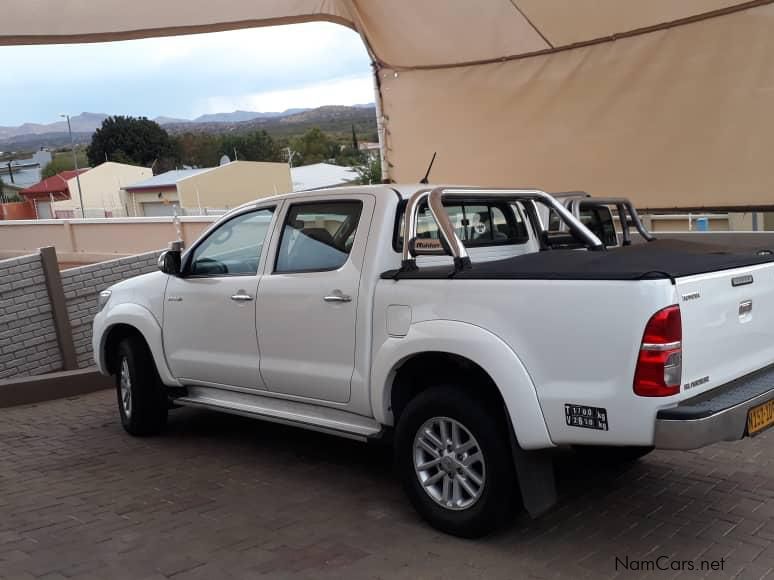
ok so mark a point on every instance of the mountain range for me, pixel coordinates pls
(87, 123)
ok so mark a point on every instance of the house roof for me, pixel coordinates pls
(165, 180)
(54, 186)
(320, 175)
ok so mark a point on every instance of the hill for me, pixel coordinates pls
(335, 120)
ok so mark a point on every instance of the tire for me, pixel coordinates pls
(471, 516)
(144, 411)
(606, 455)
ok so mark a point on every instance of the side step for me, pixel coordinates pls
(304, 415)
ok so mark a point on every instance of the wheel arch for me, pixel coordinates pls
(132, 319)
(453, 349)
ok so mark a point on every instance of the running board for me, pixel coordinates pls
(304, 415)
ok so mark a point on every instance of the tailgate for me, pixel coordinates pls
(728, 325)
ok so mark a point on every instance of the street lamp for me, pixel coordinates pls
(75, 162)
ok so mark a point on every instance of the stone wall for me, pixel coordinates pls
(28, 342)
(81, 286)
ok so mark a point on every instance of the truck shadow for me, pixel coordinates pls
(664, 491)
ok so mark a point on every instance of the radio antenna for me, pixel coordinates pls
(429, 167)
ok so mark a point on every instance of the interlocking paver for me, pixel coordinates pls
(219, 496)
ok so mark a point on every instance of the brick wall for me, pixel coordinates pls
(28, 343)
(81, 286)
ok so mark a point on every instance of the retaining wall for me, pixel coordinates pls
(28, 341)
(45, 315)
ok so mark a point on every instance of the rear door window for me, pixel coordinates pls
(476, 224)
(318, 237)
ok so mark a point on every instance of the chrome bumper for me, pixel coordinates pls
(718, 415)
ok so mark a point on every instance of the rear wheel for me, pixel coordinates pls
(454, 459)
(142, 401)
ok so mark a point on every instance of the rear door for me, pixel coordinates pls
(307, 300)
(728, 325)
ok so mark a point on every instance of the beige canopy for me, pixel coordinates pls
(670, 102)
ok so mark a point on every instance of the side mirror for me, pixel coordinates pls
(169, 260)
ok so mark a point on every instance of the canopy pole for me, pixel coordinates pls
(376, 65)
(380, 129)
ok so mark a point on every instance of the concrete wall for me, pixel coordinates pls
(28, 342)
(94, 240)
(102, 187)
(20, 210)
(231, 185)
(81, 286)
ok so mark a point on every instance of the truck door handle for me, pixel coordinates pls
(337, 296)
(241, 297)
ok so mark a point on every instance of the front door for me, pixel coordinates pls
(209, 312)
(307, 300)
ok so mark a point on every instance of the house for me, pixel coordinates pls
(198, 191)
(48, 192)
(321, 175)
(370, 150)
(100, 188)
(18, 174)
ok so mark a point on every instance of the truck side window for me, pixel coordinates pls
(234, 248)
(317, 236)
(482, 224)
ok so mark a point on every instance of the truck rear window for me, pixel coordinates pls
(477, 223)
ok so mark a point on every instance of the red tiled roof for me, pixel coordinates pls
(54, 186)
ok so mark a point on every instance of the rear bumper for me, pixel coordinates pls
(717, 415)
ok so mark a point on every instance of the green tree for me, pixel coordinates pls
(198, 149)
(253, 146)
(314, 146)
(131, 139)
(63, 161)
(370, 173)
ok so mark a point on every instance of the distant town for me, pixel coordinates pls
(117, 166)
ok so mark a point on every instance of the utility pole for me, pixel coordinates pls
(75, 164)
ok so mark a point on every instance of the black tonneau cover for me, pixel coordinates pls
(647, 261)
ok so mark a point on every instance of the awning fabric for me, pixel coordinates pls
(667, 102)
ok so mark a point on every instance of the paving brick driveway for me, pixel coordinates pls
(220, 496)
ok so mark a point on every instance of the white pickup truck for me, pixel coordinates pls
(456, 321)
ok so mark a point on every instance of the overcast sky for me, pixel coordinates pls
(264, 69)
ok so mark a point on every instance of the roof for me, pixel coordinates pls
(54, 186)
(166, 180)
(319, 175)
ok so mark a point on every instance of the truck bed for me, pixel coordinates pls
(660, 259)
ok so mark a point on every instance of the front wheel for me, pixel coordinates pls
(142, 402)
(454, 459)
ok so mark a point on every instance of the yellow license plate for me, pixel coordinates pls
(760, 417)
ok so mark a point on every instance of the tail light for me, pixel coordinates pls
(660, 362)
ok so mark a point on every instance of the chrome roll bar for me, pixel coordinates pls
(449, 236)
(624, 207)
